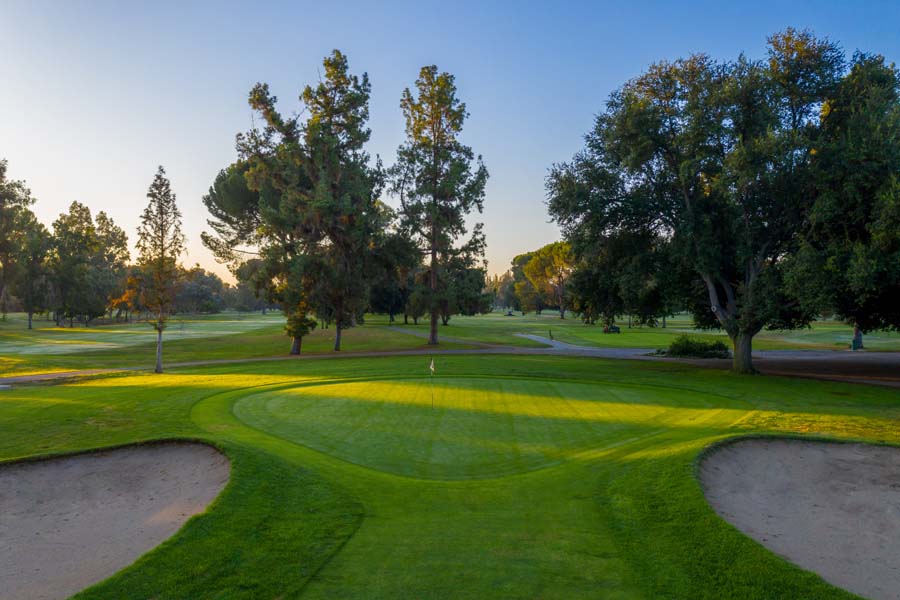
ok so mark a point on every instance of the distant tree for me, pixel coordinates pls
(419, 303)
(160, 245)
(527, 297)
(131, 300)
(200, 291)
(506, 292)
(715, 156)
(849, 261)
(549, 270)
(437, 179)
(595, 293)
(462, 290)
(396, 258)
(75, 246)
(15, 198)
(31, 284)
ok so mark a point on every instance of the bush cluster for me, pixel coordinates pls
(691, 347)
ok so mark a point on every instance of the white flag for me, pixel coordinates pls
(431, 366)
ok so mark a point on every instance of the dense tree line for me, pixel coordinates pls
(298, 218)
(756, 194)
(299, 215)
(79, 270)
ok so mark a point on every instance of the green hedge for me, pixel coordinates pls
(693, 347)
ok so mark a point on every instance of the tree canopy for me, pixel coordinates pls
(160, 246)
(438, 181)
(714, 158)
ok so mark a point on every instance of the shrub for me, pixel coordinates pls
(691, 347)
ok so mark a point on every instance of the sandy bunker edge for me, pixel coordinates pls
(73, 520)
(831, 507)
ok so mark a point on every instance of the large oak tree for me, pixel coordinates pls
(714, 157)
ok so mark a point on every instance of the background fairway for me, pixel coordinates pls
(497, 328)
(48, 348)
(532, 477)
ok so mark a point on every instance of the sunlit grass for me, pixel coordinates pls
(531, 477)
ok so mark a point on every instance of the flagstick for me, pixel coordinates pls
(432, 383)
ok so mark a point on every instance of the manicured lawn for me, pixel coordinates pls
(530, 477)
(48, 348)
(240, 336)
(496, 328)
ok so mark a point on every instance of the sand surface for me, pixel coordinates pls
(833, 509)
(67, 523)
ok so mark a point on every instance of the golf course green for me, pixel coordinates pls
(508, 476)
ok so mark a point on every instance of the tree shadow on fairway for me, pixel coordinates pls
(391, 425)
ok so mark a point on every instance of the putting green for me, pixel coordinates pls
(461, 428)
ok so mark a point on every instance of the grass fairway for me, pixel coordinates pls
(227, 336)
(531, 477)
(496, 328)
(236, 336)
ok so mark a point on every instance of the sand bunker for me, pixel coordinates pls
(70, 522)
(833, 509)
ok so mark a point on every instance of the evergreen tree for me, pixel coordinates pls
(15, 199)
(437, 179)
(31, 284)
(309, 202)
(160, 245)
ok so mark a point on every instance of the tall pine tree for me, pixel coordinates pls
(437, 179)
(160, 245)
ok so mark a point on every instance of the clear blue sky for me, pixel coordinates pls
(93, 95)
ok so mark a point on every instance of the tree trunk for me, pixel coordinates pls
(295, 344)
(405, 319)
(158, 350)
(664, 321)
(337, 337)
(30, 316)
(433, 331)
(742, 362)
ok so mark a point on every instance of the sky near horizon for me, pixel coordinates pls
(95, 95)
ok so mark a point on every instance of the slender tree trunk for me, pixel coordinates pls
(30, 316)
(742, 362)
(664, 322)
(433, 331)
(296, 342)
(159, 350)
(405, 319)
(337, 337)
